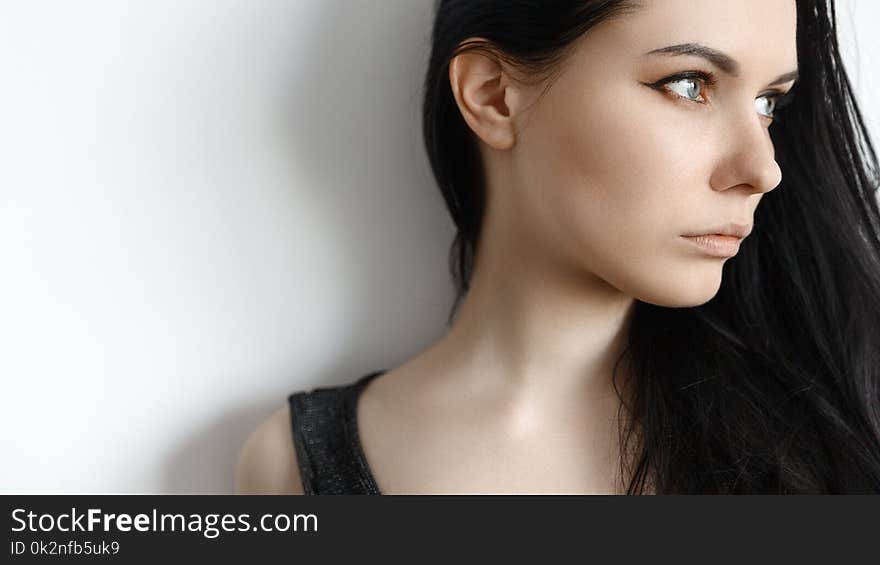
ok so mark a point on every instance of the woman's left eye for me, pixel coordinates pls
(688, 88)
(689, 85)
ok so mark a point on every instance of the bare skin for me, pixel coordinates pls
(589, 190)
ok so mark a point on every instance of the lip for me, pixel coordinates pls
(716, 245)
(732, 229)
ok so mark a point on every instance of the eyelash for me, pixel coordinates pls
(781, 99)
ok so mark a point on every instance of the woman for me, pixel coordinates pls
(667, 263)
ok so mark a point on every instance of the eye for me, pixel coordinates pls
(687, 88)
(689, 85)
(765, 105)
(773, 101)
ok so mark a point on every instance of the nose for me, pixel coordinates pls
(748, 159)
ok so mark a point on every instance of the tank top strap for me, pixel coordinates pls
(326, 439)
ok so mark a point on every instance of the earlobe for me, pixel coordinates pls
(483, 91)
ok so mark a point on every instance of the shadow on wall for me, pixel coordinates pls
(204, 464)
(352, 132)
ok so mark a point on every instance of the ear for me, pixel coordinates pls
(486, 97)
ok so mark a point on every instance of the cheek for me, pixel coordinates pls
(617, 190)
(620, 176)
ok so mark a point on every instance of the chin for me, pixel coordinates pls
(685, 290)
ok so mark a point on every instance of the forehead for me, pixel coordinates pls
(760, 34)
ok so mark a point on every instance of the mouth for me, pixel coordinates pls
(715, 244)
(731, 229)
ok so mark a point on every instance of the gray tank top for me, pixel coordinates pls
(325, 436)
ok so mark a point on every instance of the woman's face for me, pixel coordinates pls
(611, 172)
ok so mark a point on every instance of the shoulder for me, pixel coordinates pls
(266, 462)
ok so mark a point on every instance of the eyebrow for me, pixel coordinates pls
(721, 60)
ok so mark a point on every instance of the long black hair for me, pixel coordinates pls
(772, 386)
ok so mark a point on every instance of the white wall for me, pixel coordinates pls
(860, 46)
(204, 206)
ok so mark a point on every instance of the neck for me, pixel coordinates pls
(536, 333)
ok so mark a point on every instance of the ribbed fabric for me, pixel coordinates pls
(325, 436)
